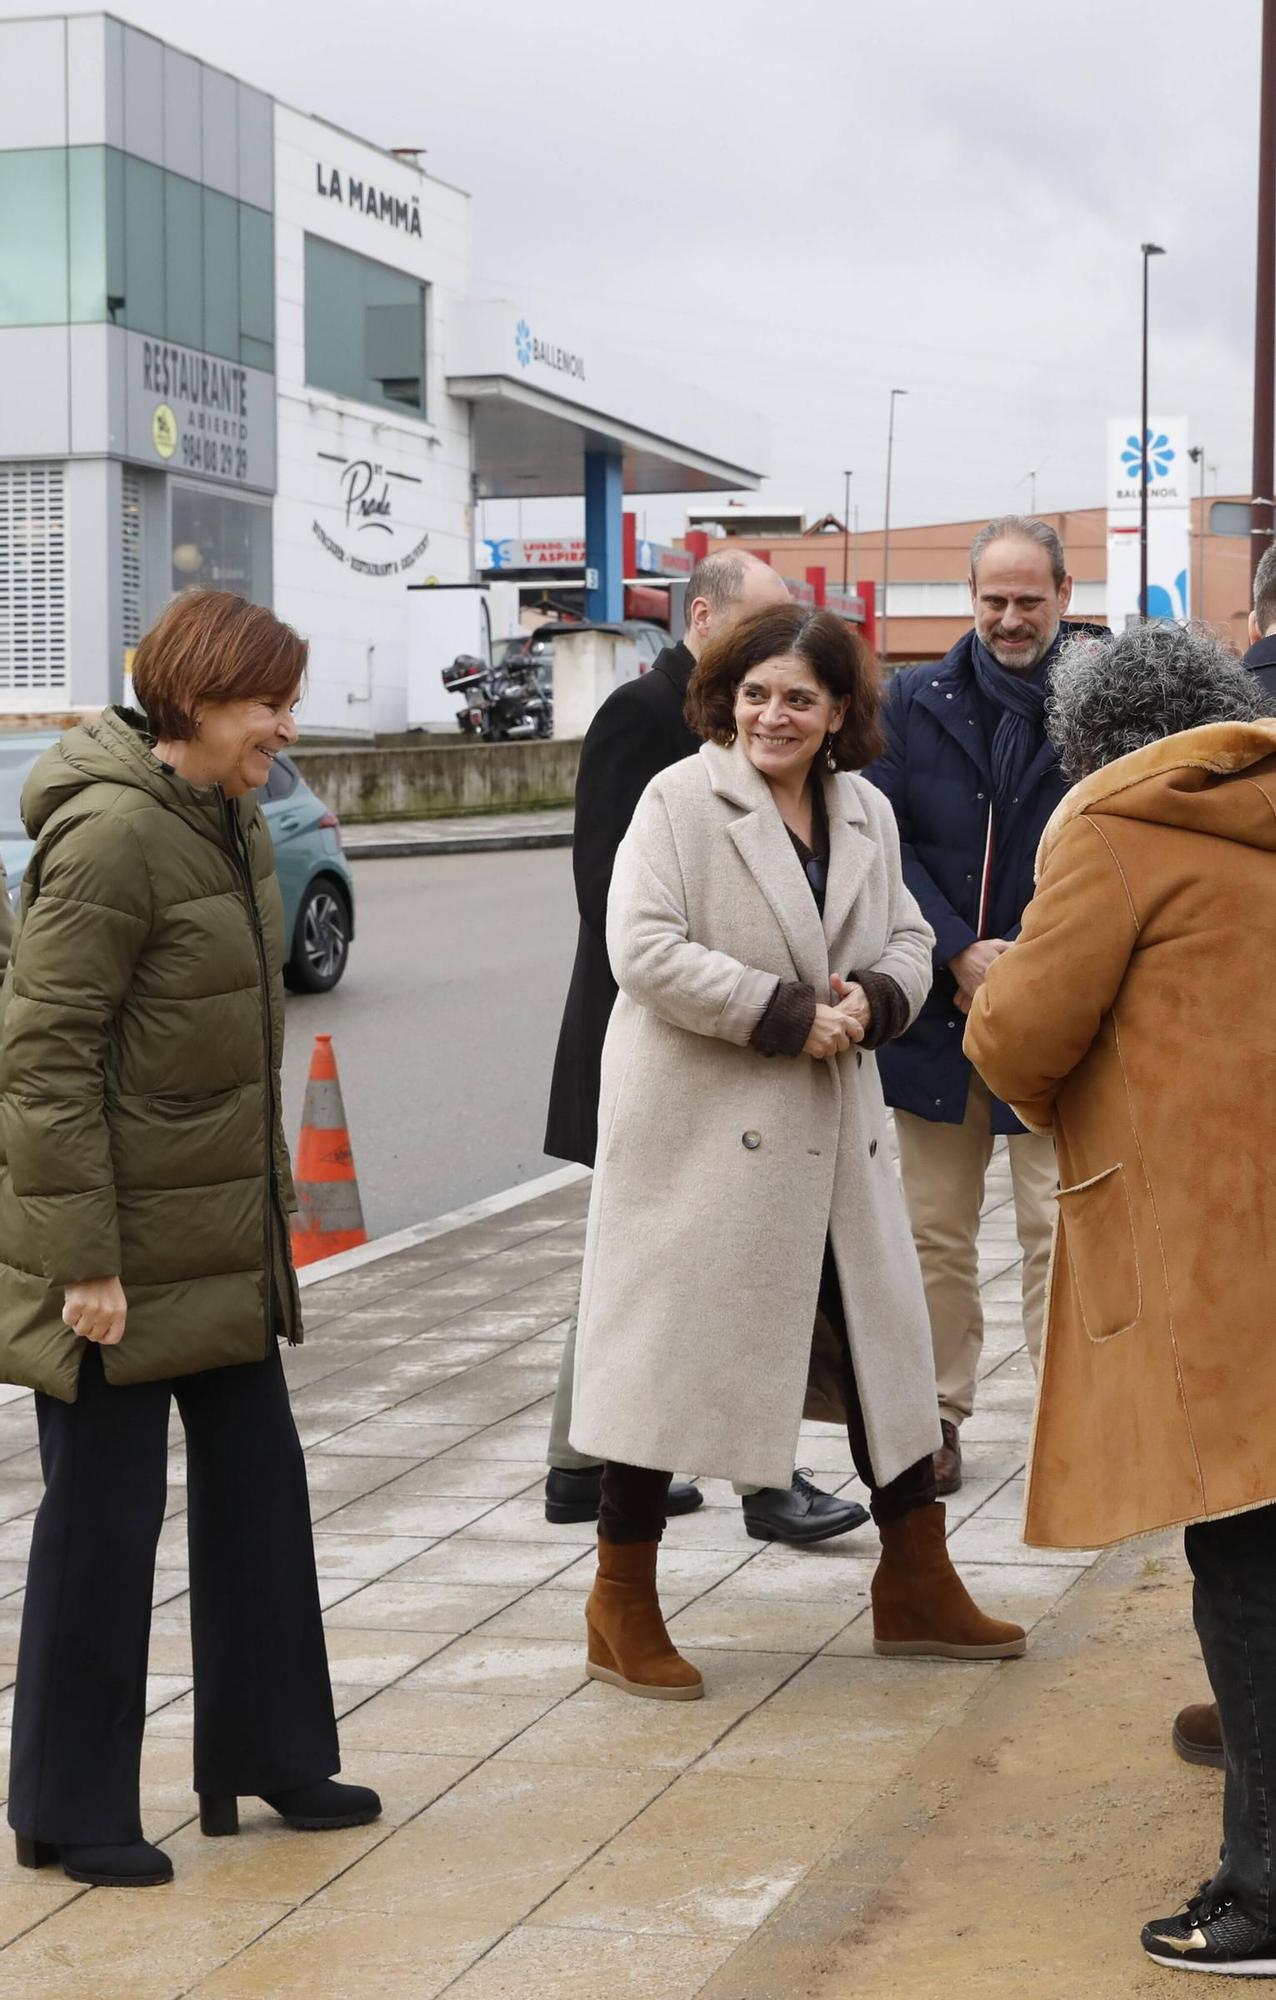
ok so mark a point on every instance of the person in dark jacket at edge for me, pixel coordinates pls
(637, 733)
(1196, 1734)
(1261, 657)
(973, 780)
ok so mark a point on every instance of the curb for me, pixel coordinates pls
(461, 843)
(442, 1225)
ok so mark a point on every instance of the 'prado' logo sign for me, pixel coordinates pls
(351, 192)
(367, 506)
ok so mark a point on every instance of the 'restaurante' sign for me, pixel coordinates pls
(196, 413)
(353, 192)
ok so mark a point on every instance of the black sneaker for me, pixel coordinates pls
(1212, 1935)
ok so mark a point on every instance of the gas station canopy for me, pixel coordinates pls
(540, 407)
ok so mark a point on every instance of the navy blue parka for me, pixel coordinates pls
(935, 772)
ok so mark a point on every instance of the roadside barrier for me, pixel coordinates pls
(331, 1215)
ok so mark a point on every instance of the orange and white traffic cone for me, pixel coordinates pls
(331, 1217)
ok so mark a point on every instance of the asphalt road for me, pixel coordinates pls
(444, 1027)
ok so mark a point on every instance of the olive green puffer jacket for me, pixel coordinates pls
(141, 1031)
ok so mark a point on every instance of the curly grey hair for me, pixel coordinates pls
(1113, 695)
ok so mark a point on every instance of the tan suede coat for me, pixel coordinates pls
(1135, 1018)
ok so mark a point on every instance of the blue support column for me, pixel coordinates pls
(604, 535)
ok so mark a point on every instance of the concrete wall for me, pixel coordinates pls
(437, 779)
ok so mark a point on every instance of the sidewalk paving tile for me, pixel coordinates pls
(539, 1962)
(714, 1853)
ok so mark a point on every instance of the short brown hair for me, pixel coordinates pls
(210, 645)
(836, 655)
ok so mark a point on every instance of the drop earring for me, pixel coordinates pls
(829, 758)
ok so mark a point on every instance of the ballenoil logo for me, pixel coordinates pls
(1150, 461)
(523, 344)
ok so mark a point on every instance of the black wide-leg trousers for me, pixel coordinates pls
(263, 1703)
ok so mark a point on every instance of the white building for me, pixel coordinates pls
(238, 348)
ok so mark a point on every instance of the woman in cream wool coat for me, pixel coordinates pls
(757, 910)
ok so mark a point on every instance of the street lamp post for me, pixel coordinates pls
(886, 528)
(1149, 250)
(846, 536)
(1196, 452)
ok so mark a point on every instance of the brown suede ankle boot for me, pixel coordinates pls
(920, 1604)
(628, 1643)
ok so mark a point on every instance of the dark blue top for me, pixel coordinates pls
(935, 772)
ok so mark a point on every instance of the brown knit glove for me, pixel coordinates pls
(787, 1019)
(889, 1008)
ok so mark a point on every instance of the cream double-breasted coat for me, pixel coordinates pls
(720, 1171)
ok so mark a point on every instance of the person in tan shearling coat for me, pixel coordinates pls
(757, 910)
(1135, 1020)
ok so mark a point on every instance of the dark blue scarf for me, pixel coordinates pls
(1020, 730)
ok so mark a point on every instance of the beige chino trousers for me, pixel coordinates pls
(944, 1168)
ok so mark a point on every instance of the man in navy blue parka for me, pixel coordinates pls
(973, 780)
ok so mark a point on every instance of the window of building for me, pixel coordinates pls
(90, 234)
(220, 542)
(365, 328)
(33, 253)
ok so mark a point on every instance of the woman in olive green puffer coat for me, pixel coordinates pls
(144, 1259)
(141, 1034)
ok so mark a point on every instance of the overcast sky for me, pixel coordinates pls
(804, 205)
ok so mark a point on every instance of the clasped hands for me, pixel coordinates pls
(835, 1028)
(970, 968)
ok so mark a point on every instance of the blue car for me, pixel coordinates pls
(313, 872)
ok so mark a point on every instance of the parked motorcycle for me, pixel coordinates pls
(503, 703)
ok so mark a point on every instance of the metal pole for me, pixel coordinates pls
(1263, 478)
(1196, 452)
(846, 536)
(1145, 470)
(886, 529)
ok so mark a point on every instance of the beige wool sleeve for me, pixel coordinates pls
(653, 959)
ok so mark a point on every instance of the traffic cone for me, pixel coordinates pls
(331, 1217)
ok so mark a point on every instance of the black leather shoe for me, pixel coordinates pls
(135, 1866)
(312, 1808)
(800, 1514)
(575, 1496)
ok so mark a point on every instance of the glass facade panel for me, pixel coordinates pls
(143, 246)
(221, 274)
(183, 261)
(89, 233)
(365, 328)
(256, 284)
(220, 542)
(86, 223)
(33, 254)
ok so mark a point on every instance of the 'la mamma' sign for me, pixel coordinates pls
(352, 192)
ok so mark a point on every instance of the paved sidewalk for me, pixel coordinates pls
(543, 1836)
(474, 833)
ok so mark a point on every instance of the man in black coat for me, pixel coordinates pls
(1261, 657)
(637, 733)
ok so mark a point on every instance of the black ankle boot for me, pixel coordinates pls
(313, 1808)
(137, 1865)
